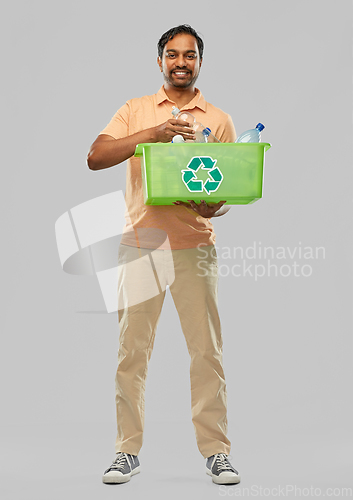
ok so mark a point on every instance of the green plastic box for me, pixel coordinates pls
(210, 172)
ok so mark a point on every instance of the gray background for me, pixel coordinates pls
(67, 67)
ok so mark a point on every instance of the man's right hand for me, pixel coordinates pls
(106, 151)
(167, 130)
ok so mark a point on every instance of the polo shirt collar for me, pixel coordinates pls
(197, 102)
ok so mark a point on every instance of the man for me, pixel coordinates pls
(180, 229)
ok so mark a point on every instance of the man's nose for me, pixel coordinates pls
(180, 62)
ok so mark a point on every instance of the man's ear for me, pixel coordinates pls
(200, 62)
(159, 62)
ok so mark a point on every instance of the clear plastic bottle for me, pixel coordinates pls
(187, 117)
(183, 115)
(202, 133)
(252, 135)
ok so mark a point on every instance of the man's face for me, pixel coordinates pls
(180, 61)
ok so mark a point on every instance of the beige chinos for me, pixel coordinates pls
(192, 276)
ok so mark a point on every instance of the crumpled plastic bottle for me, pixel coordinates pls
(252, 135)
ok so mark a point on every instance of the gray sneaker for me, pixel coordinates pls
(221, 470)
(123, 467)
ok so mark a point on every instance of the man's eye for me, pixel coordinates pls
(192, 56)
(170, 56)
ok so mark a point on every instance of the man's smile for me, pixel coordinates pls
(181, 73)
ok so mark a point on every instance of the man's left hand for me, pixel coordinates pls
(202, 208)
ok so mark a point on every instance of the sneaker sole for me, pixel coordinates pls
(120, 479)
(223, 479)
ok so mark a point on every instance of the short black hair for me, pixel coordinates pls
(183, 28)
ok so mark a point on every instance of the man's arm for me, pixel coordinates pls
(106, 151)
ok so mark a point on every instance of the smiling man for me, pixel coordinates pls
(180, 65)
(186, 232)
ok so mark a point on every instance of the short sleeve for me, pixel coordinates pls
(228, 134)
(118, 127)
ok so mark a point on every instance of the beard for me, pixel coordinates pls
(180, 83)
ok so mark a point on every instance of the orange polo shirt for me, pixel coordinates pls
(184, 227)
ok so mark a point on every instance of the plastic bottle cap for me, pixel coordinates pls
(175, 111)
(260, 127)
(206, 131)
(178, 138)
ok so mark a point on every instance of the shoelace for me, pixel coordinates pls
(222, 462)
(119, 462)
